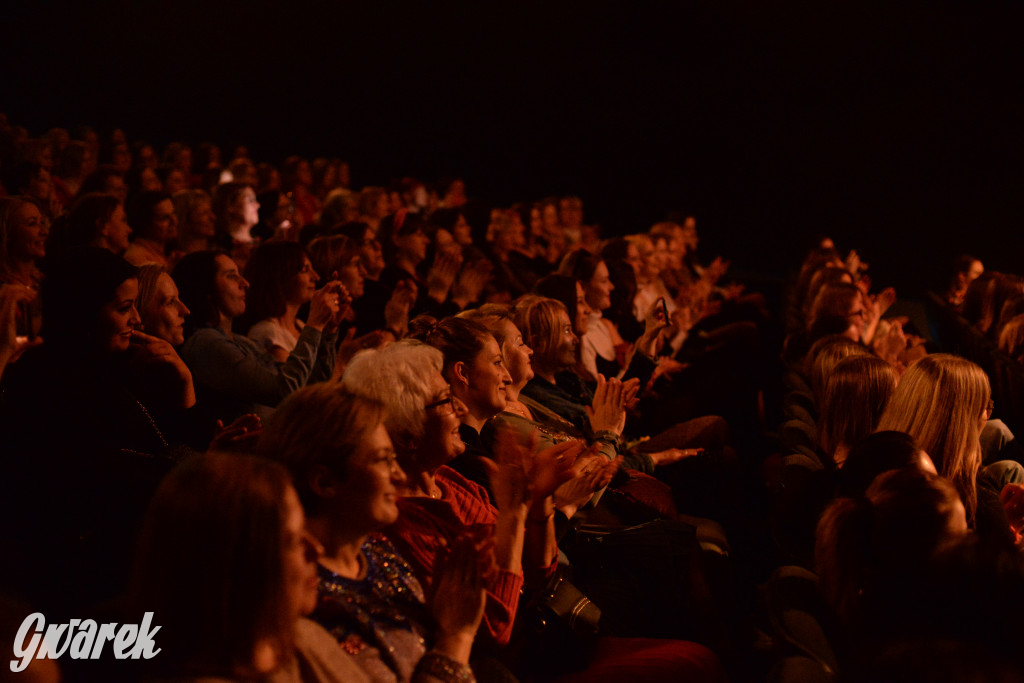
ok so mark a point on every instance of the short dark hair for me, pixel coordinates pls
(210, 563)
(268, 270)
(140, 210)
(195, 277)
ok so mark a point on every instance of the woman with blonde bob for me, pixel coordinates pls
(855, 395)
(943, 402)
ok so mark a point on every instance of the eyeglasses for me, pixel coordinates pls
(449, 401)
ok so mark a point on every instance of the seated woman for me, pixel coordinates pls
(437, 505)
(856, 393)
(196, 230)
(227, 567)
(943, 402)
(155, 225)
(97, 220)
(348, 479)
(23, 233)
(423, 421)
(609, 406)
(876, 454)
(237, 213)
(875, 553)
(235, 376)
(602, 348)
(282, 280)
(161, 311)
(93, 451)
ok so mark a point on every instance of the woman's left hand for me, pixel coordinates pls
(326, 305)
(152, 350)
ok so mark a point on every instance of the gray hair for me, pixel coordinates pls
(399, 376)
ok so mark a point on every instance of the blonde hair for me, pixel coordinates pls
(855, 396)
(148, 276)
(537, 318)
(941, 402)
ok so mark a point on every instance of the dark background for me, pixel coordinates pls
(896, 130)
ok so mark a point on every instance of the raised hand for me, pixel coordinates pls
(552, 467)
(396, 310)
(471, 282)
(442, 274)
(590, 474)
(460, 595)
(12, 346)
(326, 305)
(607, 412)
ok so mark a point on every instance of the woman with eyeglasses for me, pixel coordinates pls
(348, 478)
(943, 401)
(437, 504)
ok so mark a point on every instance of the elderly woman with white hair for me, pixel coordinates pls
(438, 504)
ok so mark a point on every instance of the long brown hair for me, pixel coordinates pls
(855, 396)
(318, 426)
(210, 564)
(863, 544)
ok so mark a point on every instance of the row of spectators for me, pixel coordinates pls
(259, 395)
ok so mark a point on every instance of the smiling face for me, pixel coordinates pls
(565, 351)
(366, 490)
(164, 317)
(303, 284)
(441, 424)
(599, 288)
(119, 317)
(487, 380)
(583, 310)
(229, 288)
(27, 233)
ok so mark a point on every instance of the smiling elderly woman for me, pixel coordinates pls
(438, 504)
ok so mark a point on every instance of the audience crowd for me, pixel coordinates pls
(328, 433)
